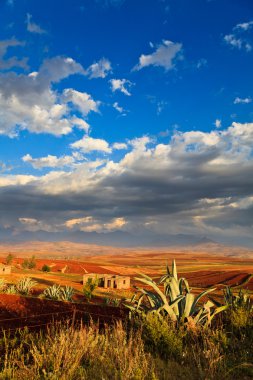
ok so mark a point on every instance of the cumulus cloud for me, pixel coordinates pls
(88, 144)
(49, 161)
(99, 69)
(32, 27)
(30, 102)
(242, 100)
(119, 146)
(81, 100)
(121, 85)
(164, 56)
(198, 183)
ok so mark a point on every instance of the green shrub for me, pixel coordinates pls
(9, 259)
(89, 288)
(46, 268)
(161, 337)
(29, 263)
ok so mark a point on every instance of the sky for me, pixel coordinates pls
(126, 120)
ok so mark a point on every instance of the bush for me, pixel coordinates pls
(46, 268)
(29, 263)
(89, 288)
(161, 337)
(9, 259)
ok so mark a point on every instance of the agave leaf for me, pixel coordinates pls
(215, 302)
(189, 300)
(175, 292)
(208, 304)
(218, 310)
(155, 287)
(174, 270)
(202, 294)
(184, 282)
(198, 316)
(153, 299)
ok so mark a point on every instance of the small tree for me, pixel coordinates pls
(89, 288)
(46, 268)
(29, 263)
(9, 259)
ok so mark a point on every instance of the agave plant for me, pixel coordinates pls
(11, 289)
(176, 300)
(2, 284)
(53, 292)
(66, 293)
(25, 285)
(240, 301)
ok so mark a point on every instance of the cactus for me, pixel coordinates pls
(25, 285)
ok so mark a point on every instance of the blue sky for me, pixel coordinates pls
(122, 115)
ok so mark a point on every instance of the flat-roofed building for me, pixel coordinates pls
(108, 280)
(5, 269)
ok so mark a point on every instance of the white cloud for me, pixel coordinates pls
(244, 26)
(119, 146)
(49, 161)
(33, 225)
(164, 56)
(29, 101)
(88, 144)
(120, 109)
(242, 100)
(232, 40)
(121, 85)
(99, 69)
(32, 27)
(89, 224)
(237, 38)
(81, 100)
(217, 123)
(78, 221)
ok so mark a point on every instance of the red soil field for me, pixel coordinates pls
(75, 267)
(211, 278)
(18, 312)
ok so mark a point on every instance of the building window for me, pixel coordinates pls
(124, 282)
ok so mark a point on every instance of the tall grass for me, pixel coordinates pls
(149, 349)
(65, 353)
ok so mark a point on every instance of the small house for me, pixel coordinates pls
(5, 269)
(108, 280)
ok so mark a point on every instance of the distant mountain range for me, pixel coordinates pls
(120, 239)
(117, 238)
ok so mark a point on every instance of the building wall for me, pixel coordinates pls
(109, 281)
(5, 269)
